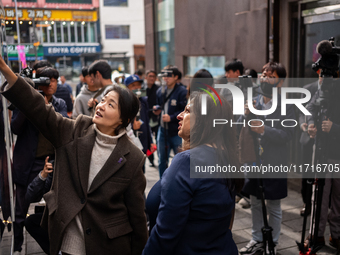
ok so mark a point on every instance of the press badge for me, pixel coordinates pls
(173, 102)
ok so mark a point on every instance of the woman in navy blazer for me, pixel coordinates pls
(194, 214)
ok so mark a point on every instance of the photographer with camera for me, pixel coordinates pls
(61, 92)
(324, 126)
(273, 143)
(30, 150)
(35, 191)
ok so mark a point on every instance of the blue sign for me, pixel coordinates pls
(27, 58)
(59, 51)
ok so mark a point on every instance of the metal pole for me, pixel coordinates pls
(9, 163)
(271, 30)
(34, 41)
(18, 31)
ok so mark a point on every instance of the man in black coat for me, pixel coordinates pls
(141, 126)
(30, 151)
(151, 93)
(330, 132)
(274, 138)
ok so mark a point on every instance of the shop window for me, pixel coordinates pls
(78, 27)
(73, 32)
(92, 32)
(65, 31)
(43, 32)
(81, 1)
(86, 37)
(57, 1)
(58, 25)
(214, 64)
(123, 3)
(117, 32)
(51, 32)
(66, 1)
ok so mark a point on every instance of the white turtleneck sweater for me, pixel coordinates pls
(73, 240)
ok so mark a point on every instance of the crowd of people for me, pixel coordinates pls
(85, 155)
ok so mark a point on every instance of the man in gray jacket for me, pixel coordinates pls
(87, 92)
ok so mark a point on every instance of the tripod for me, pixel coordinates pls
(266, 229)
(319, 157)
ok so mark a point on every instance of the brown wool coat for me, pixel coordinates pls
(112, 211)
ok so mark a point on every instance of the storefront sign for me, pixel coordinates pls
(46, 15)
(70, 50)
(12, 51)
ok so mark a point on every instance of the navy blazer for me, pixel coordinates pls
(177, 103)
(27, 142)
(195, 213)
(275, 152)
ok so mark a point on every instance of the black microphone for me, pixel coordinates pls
(324, 47)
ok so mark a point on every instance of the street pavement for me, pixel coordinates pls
(291, 227)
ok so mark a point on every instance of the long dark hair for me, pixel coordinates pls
(223, 137)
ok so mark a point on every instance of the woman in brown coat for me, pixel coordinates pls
(96, 204)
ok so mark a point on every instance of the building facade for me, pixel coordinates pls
(61, 31)
(123, 34)
(195, 34)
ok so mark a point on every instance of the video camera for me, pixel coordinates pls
(42, 81)
(329, 65)
(329, 60)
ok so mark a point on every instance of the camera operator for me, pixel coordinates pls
(274, 139)
(62, 92)
(30, 151)
(331, 137)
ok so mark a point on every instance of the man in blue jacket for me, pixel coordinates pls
(30, 151)
(171, 101)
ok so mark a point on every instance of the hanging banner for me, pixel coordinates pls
(22, 55)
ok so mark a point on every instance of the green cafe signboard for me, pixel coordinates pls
(29, 50)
